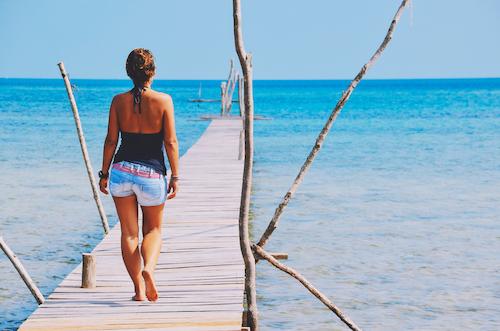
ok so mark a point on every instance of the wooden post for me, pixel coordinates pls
(240, 96)
(88, 271)
(22, 272)
(222, 98)
(83, 146)
(273, 224)
(246, 249)
(241, 144)
(244, 320)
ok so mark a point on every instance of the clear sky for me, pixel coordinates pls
(290, 39)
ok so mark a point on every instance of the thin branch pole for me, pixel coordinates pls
(222, 98)
(229, 99)
(322, 135)
(246, 250)
(22, 272)
(266, 256)
(226, 87)
(83, 145)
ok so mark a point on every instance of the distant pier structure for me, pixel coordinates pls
(227, 90)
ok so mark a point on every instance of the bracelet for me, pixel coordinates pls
(103, 175)
(174, 177)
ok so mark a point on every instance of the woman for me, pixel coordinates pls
(145, 120)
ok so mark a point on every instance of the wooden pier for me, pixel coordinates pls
(200, 272)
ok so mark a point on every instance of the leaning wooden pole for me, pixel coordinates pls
(327, 302)
(83, 145)
(222, 98)
(22, 272)
(226, 87)
(326, 128)
(246, 249)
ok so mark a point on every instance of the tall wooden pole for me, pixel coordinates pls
(322, 135)
(22, 272)
(241, 102)
(241, 99)
(246, 250)
(83, 145)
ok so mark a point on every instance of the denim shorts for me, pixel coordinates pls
(127, 178)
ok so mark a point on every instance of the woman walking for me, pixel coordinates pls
(144, 119)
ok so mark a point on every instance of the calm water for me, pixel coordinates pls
(397, 220)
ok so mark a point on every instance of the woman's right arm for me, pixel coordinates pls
(109, 144)
(171, 146)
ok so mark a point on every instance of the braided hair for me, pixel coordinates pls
(140, 68)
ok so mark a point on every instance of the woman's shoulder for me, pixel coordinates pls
(120, 96)
(163, 100)
(154, 96)
(163, 96)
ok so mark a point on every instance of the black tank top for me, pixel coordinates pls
(142, 148)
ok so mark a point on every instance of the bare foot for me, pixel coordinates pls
(139, 297)
(151, 292)
(139, 291)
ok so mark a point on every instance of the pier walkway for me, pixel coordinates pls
(200, 272)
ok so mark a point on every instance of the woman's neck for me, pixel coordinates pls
(145, 85)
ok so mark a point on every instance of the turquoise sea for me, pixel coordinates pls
(397, 220)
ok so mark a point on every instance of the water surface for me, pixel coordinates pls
(396, 221)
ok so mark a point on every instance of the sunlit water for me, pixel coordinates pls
(396, 221)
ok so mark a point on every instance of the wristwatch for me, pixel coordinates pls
(103, 175)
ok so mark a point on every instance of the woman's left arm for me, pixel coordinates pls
(109, 145)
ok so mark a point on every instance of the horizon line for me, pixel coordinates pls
(266, 79)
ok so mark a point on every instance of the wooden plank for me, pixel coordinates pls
(200, 271)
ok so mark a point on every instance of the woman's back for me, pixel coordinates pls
(148, 119)
(140, 117)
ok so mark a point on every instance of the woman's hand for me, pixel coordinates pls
(103, 184)
(173, 186)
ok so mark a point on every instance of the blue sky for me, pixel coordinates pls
(294, 39)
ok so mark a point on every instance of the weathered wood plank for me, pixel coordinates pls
(200, 272)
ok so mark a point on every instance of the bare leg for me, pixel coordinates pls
(127, 212)
(151, 246)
